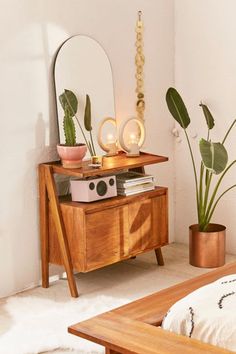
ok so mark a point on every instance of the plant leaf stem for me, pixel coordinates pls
(202, 203)
(91, 137)
(214, 206)
(226, 135)
(208, 212)
(195, 172)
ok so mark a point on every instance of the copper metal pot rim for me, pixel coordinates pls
(211, 228)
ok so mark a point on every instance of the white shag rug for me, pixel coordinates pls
(40, 325)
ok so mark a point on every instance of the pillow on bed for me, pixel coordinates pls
(207, 314)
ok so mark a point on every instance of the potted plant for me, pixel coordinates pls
(71, 153)
(206, 239)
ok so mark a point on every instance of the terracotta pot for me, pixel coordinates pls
(207, 248)
(71, 156)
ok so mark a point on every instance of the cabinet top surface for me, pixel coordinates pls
(110, 165)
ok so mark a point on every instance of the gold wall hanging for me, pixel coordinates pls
(139, 62)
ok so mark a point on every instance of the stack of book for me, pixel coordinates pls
(129, 183)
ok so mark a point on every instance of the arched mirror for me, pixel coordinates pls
(83, 67)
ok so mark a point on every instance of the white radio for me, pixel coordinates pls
(93, 189)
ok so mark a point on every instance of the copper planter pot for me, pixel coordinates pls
(207, 248)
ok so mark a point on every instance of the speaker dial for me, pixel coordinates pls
(91, 186)
(111, 181)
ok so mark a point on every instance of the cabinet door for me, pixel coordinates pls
(148, 224)
(140, 228)
(106, 231)
(159, 236)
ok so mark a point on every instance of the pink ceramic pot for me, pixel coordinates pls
(71, 156)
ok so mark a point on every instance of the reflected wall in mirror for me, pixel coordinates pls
(82, 66)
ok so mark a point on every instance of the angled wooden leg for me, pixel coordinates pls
(60, 228)
(159, 256)
(43, 209)
(110, 351)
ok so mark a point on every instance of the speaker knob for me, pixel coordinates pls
(111, 181)
(91, 186)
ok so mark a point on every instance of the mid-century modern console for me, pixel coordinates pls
(87, 236)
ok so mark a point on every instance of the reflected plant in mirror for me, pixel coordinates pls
(80, 65)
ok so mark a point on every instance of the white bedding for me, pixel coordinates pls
(207, 314)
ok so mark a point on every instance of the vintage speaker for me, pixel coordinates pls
(92, 189)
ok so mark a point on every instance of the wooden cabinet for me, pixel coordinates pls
(87, 236)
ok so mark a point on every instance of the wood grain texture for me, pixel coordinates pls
(87, 236)
(44, 227)
(60, 229)
(151, 309)
(106, 232)
(123, 335)
(116, 201)
(132, 328)
(110, 165)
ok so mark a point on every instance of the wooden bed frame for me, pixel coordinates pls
(133, 328)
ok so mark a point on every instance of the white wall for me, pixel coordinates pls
(30, 33)
(205, 69)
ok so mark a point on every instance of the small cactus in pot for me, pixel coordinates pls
(71, 153)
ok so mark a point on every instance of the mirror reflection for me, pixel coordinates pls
(83, 67)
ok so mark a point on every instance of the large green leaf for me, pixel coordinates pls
(69, 100)
(87, 114)
(214, 156)
(209, 118)
(177, 107)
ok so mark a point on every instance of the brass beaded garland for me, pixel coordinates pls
(139, 62)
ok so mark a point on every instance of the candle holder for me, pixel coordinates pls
(136, 141)
(111, 144)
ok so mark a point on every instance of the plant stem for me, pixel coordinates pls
(213, 209)
(228, 131)
(91, 137)
(207, 191)
(195, 172)
(201, 191)
(90, 149)
(83, 134)
(216, 189)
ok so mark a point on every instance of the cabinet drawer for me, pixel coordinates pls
(105, 234)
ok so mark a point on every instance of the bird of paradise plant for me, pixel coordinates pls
(214, 159)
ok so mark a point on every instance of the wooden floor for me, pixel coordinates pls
(130, 279)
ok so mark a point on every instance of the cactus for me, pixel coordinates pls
(69, 104)
(69, 128)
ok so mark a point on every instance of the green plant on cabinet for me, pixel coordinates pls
(69, 103)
